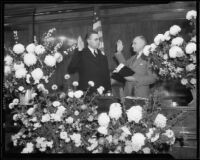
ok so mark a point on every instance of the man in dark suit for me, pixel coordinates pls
(138, 84)
(90, 63)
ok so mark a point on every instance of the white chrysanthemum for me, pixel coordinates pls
(138, 140)
(174, 30)
(71, 94)
(76, 137)
(21, 88)
(103, 119)
(193, 81)
(155, 138)
(18, 48)
(63, 135)
(128, 149)
(37, 74)
(28, 148)
(178, 69)
(30, 111)
(34, 119)
(126, 130)
(37, 125)
(165, 57)
(158, 39)
(61, 110)
(16, 101)
(160, 121)
(50, 61)
(178, 41)
(7, 70)
(30, 48)
(56, 103)
(150, 133)
(54, 87)
(40, 87)
(91, 83)
(103, 130)
(146, 150)
(175, 51)
(21, 73)
(76, 113)
(167, 36)
(8, 60)
(30, 59)
(115, 111)
(58, 56)
(146, 50)
(11, 105)
(134, 114)
(69, 120)
(184, 81)
(18, 66)
(100, 90)
(190, 48)
(78, 94)
(45, 118)
(190, 67)
(169, 133)
(56, 117)
(153, 47)
(39, 49)
(75, 83)
(191, 14)
(67, 76)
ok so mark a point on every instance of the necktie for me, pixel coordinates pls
(95, 53)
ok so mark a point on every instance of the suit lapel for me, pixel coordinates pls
(90, 56)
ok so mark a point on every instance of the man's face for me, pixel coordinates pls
(138, 44)
(93, 41)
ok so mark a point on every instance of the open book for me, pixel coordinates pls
(120, 72)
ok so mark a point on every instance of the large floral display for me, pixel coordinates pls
(69, 122)
(174, 58)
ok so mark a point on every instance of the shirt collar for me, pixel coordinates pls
(139, 54)
(92, 50)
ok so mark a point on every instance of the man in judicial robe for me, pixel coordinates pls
(138, 84)
(90, 63)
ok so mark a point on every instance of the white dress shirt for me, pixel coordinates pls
(92, 50)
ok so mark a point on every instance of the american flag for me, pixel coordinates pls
(98, 28)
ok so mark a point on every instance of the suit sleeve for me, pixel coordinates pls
(120, 58)
(147, 79)
(75, 62)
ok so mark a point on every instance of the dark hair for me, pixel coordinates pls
(89, 33)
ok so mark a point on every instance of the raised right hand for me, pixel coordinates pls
(80, 44)
(119, 46)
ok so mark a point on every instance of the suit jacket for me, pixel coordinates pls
(143, 75)
(90, 68)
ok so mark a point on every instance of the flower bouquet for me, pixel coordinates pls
(171, 57)
(69, 123)
(25, 68)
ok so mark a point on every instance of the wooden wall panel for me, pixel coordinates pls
(118, 23)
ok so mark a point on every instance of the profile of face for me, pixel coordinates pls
(93, 41)
(138, 44)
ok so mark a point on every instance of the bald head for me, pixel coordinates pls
(138, 43)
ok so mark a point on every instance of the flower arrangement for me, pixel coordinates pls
(172, 57)
(69, 123)
(26, 69)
